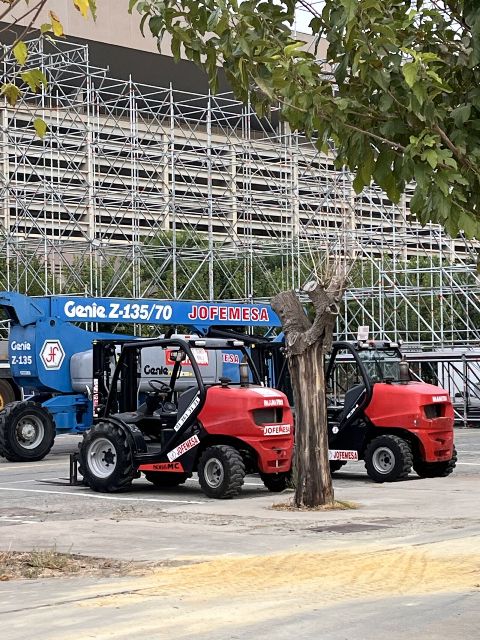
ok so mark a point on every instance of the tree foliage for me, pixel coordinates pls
(398, 92)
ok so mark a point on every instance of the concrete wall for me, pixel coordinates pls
(114, 25)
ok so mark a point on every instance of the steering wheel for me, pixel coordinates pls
(158, 386)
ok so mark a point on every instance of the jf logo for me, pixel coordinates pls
(52, 354)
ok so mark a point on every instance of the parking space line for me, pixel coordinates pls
(470, 464)
(104, 497)
(11, 466)
(33, 480)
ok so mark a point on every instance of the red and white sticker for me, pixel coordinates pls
(440, 399)
(273, 402)
(276, 429)
(173, 467)
(200, 355)
(342, 454)
(183, 448)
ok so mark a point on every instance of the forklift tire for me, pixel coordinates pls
(435, 469)
(27, 432)
(7, 394)
(166, 480)
(336, 465)
(221, 471)
(275, 482)
(388, 458)
(106, 459)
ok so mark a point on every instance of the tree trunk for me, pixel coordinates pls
(306, 345)
(313, 483)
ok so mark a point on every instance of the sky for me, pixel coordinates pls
(303, 16)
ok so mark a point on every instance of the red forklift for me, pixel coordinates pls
(164, 409)
(378, 412)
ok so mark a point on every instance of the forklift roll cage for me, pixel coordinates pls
(111, 405)
(126, 369)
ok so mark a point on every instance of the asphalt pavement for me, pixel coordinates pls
(405, 563)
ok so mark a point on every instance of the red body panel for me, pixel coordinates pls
(403, 406)
(228, 411)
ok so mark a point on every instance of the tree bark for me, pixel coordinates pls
(306, 345)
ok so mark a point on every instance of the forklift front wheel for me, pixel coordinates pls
(388, 458)
(221, 471)
(106, 458)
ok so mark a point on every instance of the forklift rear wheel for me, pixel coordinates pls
(388, 458)
(436, 469)
(27, 432)
(221, 471)
(106, 458)
(275, 482)
(7, 394)
(165, 480)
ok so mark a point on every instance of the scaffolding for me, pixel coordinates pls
(145, 191)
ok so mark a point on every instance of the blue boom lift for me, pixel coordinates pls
(50, 356)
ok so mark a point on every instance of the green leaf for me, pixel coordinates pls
(431, 157)
(315, 24)
(392, 188)
(410, 73)
(367, 166)
(350, 8)
(264, 86)
(34, 78)
(46, 27)
(290, 49)
(417, 201)
(11, 92)
(93, 8)
(131, 5)
(461, 114)
(40, 127)
(213, 18)
(358, 183)
(383, 165)
(20, 51)
(155, 24)
(468, 225)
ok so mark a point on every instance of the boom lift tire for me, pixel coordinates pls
(435, 469)
(388, 458)
(275, 482)
(164, 480)
(221, 471)
(27, 432)
(7, 394)
(106, 459)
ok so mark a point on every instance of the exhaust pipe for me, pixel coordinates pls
(404, 372)
(244, 380)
